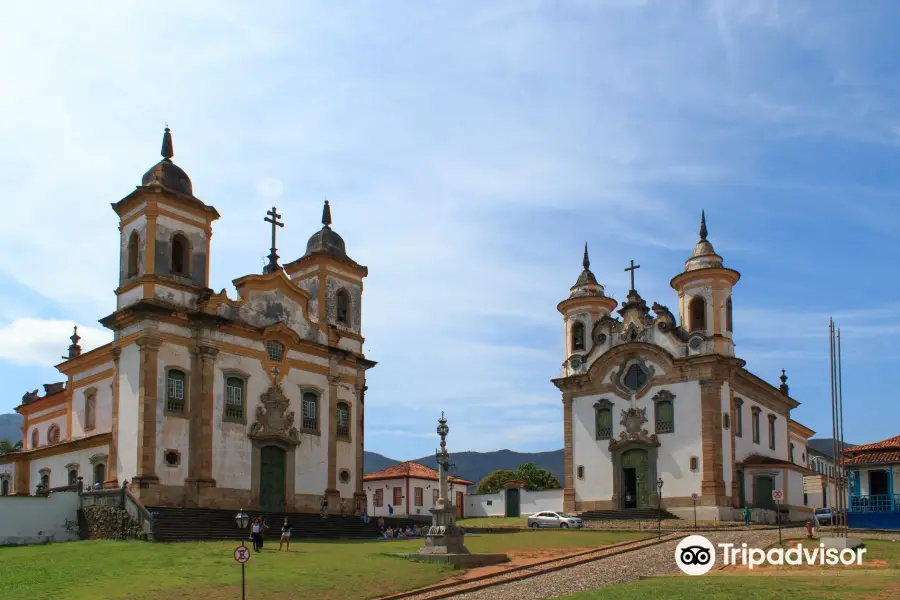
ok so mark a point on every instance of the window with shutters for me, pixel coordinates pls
(379, 497)
(175, 381)
(343, 420)
(604, 422)
(90, 410)
(398, 496)
(234, 399)
(419, 496)
(665, 417)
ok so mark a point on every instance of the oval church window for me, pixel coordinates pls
(635, 378)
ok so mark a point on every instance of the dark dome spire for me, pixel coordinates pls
(168, 149)
(703, 231)
(166, 173)
(586, 262)
(326, 240)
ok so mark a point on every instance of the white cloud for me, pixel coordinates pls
(41, 342)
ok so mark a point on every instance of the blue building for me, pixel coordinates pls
(874, 477)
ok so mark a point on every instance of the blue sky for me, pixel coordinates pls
(469, 150)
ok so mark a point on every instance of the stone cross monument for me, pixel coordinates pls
(444, 536)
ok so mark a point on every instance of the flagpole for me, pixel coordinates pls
(837, 489)
(840, 396)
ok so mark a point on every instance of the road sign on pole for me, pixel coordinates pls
(241, 554)
(694, 497)
(777, 496)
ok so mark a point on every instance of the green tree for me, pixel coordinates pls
(535, 478)
(6, 447)
(493, 481)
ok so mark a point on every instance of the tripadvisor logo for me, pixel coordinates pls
(696, 555)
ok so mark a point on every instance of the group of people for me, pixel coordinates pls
(400, 532)
(258, 529)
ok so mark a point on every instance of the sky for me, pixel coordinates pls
(469, 150)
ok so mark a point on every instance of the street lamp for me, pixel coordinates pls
(242, 519)
(659, 484)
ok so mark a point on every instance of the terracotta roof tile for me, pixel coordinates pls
(890, 456)
(413, 470)
(888, 444)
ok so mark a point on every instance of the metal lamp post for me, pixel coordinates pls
(242, 519)
(659, 484)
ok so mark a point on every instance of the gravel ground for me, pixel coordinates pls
(657, 560)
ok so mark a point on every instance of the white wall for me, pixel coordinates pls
(673, 463)
(494, 505)
(102, 407)
(32, 520)
(129, 381)
(400, 510)
(744, 445)
(173, 430)
(59, 475)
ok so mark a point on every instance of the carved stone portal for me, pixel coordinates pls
(633, 421)
(273, 419)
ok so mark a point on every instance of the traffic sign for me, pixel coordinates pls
(694, 496)
(242, 554)
(777, 495)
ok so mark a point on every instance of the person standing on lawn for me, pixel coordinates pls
(285, 535)
(254, 534)
(262, 533)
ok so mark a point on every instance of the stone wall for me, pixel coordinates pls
(109, 523)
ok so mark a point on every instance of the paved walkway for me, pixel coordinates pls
(656, 560)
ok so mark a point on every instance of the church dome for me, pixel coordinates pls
(326, 240)
(166, 173)
(587, 284)
(704, 255)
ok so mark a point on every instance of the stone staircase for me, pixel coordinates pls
(205, 524)
(626, 514)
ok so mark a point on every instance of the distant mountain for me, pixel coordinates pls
(11, 427)
(475, 465)
(825, 446)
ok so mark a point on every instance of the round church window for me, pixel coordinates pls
(172, 458)
(345, 476)
(53, 434)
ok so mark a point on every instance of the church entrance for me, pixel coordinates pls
(636, 478)
(764, 487)
(271, 479)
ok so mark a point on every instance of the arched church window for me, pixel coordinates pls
(90, 410)
(35, 438)
(234, 399)
(134, 246)
(73, 476)
(729, 324)
(697, 311)
(45, 479)
(275, 350)
(577, 336)
(343, 307)
(604, 423)
(343, 420)
(665, 417)
(310, 405)
(635, 378)
(99, 473)
(175, 391)
(180, 249)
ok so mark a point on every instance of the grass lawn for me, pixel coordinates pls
(112, 570)
(494, 522)
(879, 580)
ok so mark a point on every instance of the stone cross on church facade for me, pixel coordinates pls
(632, 268)
(272, 218)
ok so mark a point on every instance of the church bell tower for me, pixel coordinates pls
(704, 295)
(165, 234)
(586, 305)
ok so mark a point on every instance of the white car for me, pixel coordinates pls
(555, 520)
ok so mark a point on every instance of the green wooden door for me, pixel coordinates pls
(764, 487)
(639, 460)
(512, 502)
(271, 479)
(742, 493)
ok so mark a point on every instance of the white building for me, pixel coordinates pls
(411, 489)
(201, 399)
(652, 399)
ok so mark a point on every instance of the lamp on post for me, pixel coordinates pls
(242, 519)
(659, 484)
